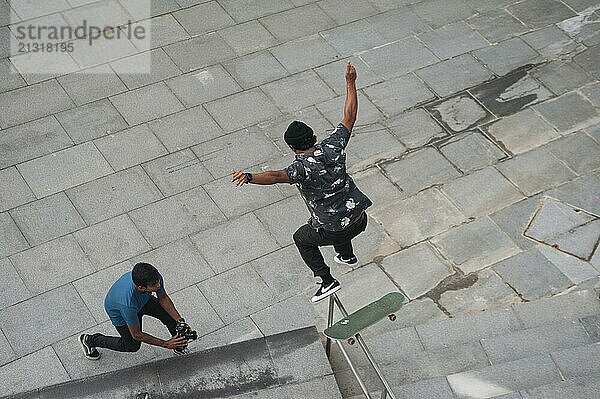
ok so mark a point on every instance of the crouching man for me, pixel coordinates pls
(130, 298)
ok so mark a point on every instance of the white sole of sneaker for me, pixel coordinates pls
(83, 349)
(325, 295)
(336, 260)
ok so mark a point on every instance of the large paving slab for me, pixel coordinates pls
(399, 58)
(111, 241)
(55, 319)
(475, 245)
(91, 121)
(354, 37)
(158, 64)
(130, 147)
(568, 111)
(408, 267)
(199, 51)
(177, 172)
(174, 217)
(15, 291)
(482, 192)
(19, 375)
(236, 201)
(13, 189)
(532, 275)
(228, 254)
(30, 140)
(32, 102)
(61, 170)
(451, 76)
(186, 128)
(284, 272)
(459, 113)
(471, 151)
(488, 292)
(12, 238)
(535, 171)
(415, 128)
(239, 150)
(202, 86)
(48, 218)
(416, 218)
(396, 95)
(242, 110)
(420, 170)
(147, 103)
(522, 131)
(222, 292)
(452, 40)
(52, 264)
(92, 84)
(113, 195)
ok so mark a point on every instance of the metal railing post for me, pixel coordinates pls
(386, 386)
(360, 382)
(363, 346)
(329, 324)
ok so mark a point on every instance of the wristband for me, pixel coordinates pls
(248, 177)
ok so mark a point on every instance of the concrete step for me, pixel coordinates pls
(472, 327)
(293, 361)
(523, 332)
(586, 387)
(574, 370)
(404, 344)
(501, 333)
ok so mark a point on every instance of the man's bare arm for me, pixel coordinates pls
(139, 335)
(263, 178)
(351, 104)
(167, 304)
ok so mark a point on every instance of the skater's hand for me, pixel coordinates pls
(238, 177)
(175, 342)
(350, 73)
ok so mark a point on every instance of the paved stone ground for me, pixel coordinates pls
(478, 139)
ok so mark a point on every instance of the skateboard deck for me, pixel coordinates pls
(366, 316)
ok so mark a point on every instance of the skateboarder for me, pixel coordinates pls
(129, 298)
(336, 205)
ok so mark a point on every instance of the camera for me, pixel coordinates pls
(183, 330)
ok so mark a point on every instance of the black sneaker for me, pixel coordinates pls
(349, 262)
(181, 351)
(326, 290)
(88, 351)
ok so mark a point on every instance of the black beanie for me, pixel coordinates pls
(299, 135)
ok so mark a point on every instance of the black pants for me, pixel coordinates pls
(126, 343)
(308, 240)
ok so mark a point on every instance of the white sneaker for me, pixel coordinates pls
(325, 291)
(349, 262)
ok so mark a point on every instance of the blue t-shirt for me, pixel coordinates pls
(123, 301)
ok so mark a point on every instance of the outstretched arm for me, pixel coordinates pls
(264, 178)
(351, 105)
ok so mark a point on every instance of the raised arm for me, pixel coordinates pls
(351, 105)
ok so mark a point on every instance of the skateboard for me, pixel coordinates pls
(366, 316)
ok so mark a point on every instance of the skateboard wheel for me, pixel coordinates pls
(351, 341)
(392, 317)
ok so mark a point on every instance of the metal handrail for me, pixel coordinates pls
(386, 386)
